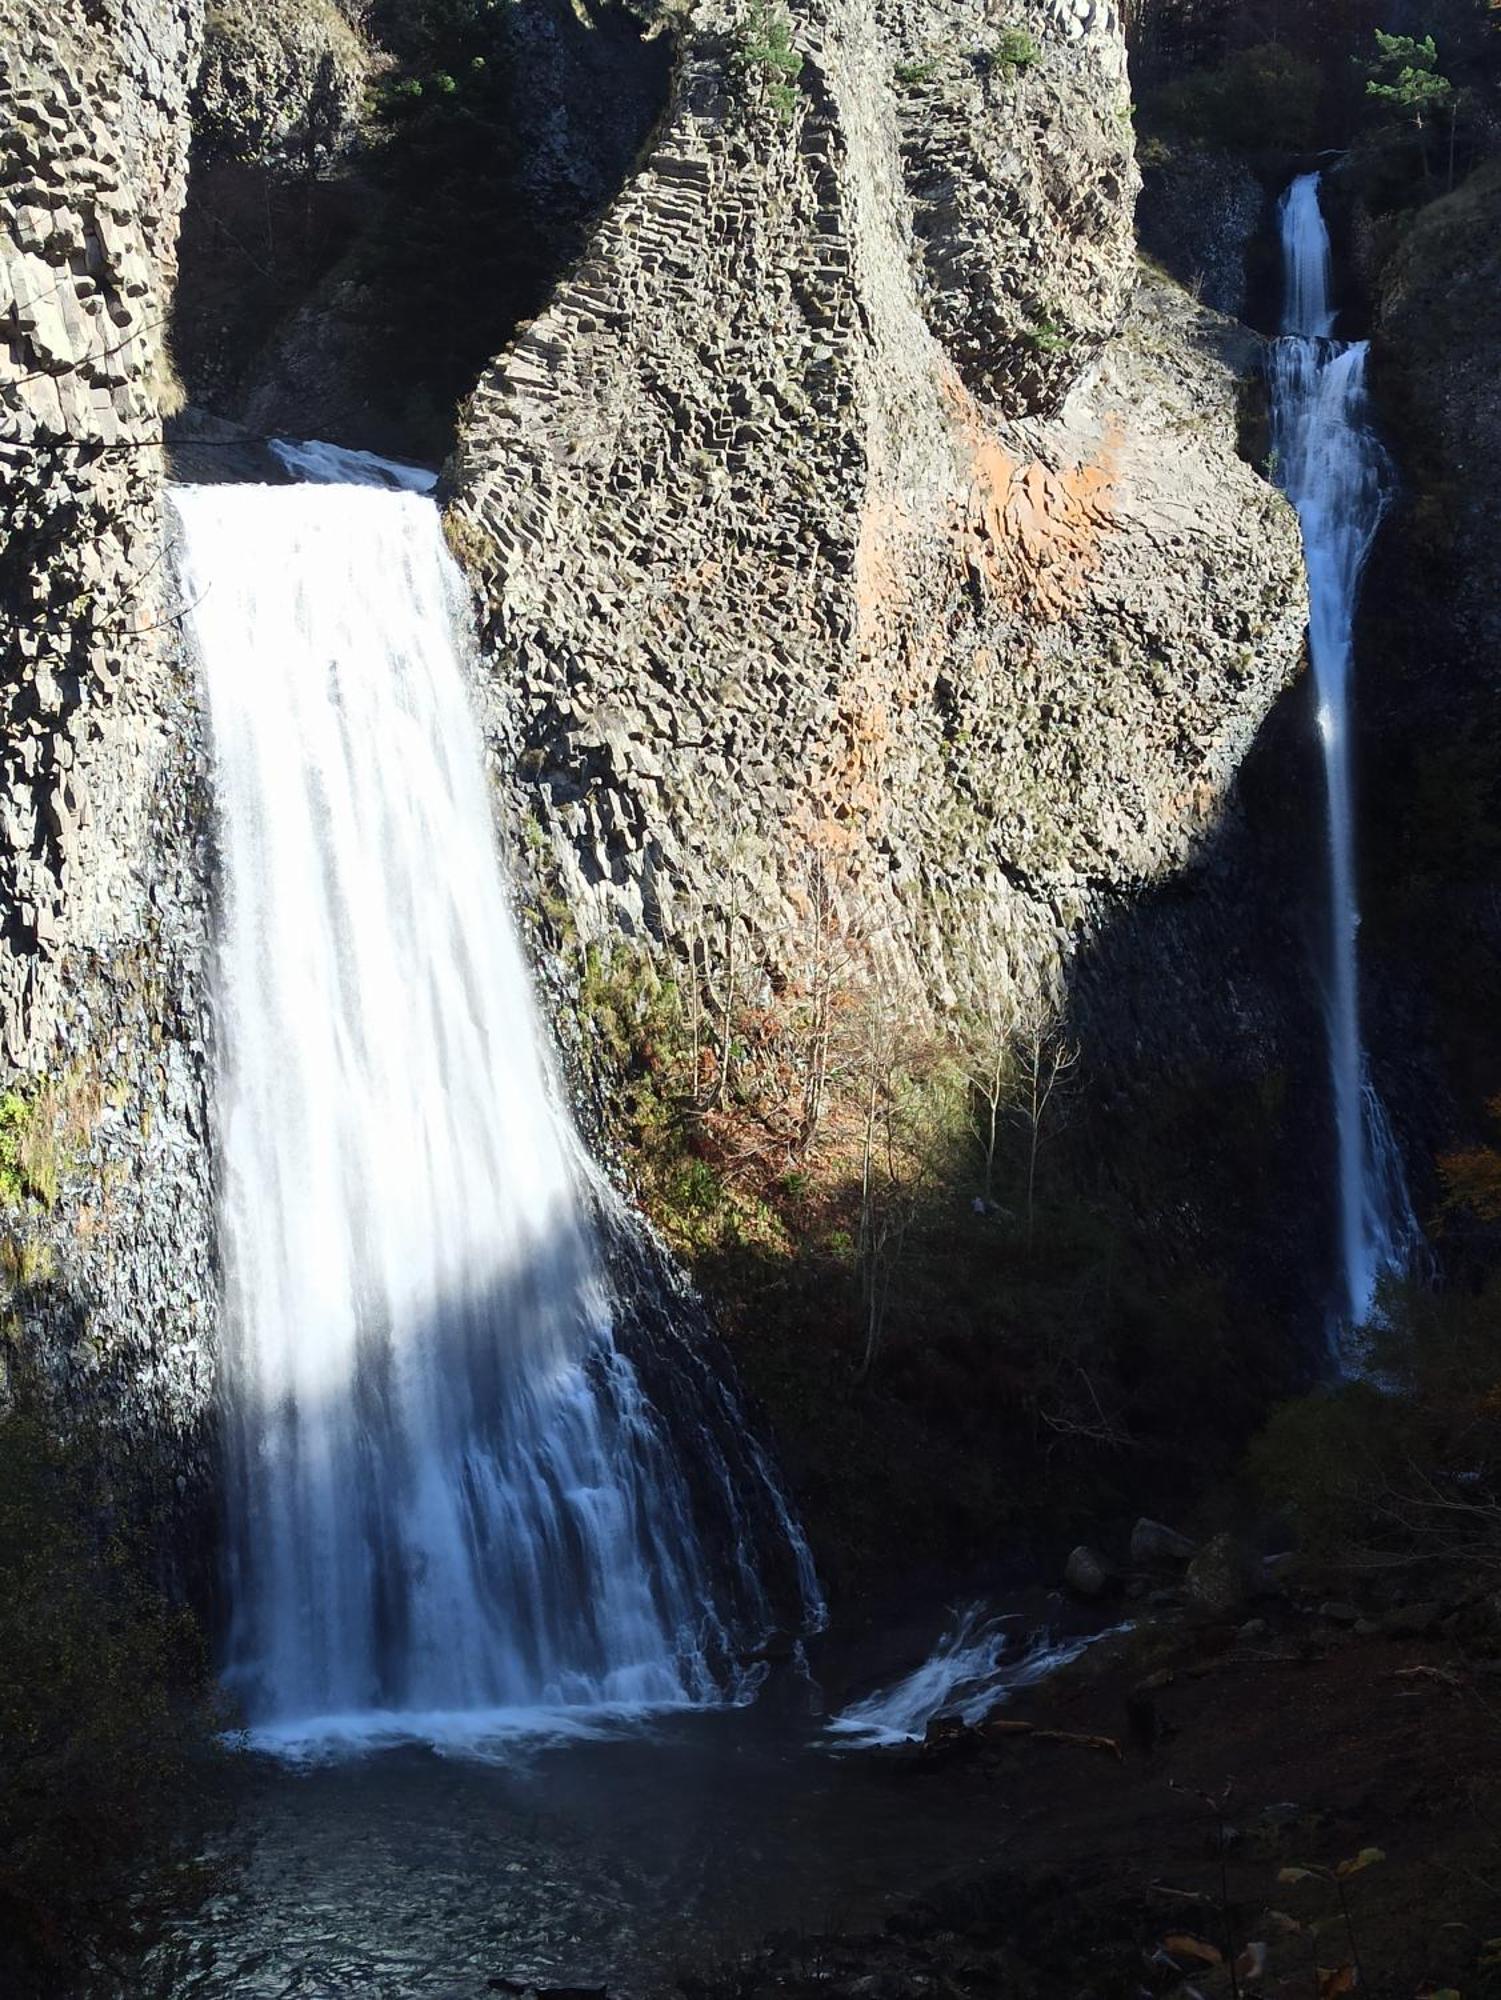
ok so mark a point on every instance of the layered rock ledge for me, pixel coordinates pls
(854, 507)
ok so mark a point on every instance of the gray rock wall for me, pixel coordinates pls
(279, 79)
(1198, 215)
(851, 508)
(106, 1236)
(778, 571)
(1430, 665)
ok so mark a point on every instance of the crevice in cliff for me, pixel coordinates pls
(347, 273)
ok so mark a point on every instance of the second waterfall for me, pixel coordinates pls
(1331, 466)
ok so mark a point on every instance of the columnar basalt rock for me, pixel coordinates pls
(844, 511)
(281, 79)
(1019, 163)
(850, 511)
(109, 1252)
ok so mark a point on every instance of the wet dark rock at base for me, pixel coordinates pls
(1153, 1545)
(1087, 1572)
(1338, 1612)
(1221, 1576)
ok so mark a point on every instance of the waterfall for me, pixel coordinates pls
(450, 1494)
(1331, 466)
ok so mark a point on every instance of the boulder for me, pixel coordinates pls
(1411, 1621)
(1086, 1573)
(1154, 1546)
(1221, 1576)
(1277, 1571)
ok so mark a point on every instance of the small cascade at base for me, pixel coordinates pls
(450, 1496)
(980, 1661)
(1332, 467)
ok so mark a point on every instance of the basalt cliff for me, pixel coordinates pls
(856, 515)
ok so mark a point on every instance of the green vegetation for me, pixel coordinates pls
(26, 1262)
(1046, 338)
(110, 1775)
(44, 1128)
(909, 73)
(30, 1158)
(1016, 49)
(1261, 99)
(765, 60)
(1405, 76)
(15, 1125)
(1426, 111)
(1404, 80)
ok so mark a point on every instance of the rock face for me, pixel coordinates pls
(1198, 213)
(277, 104)
(318, 224)
(1221, 1576)
(280, 80)
(853, 514)
(108, 1239)
(788, 571)
(1020, 184)
(1437, 337)
(1154, 1546)
(1086, 1572)
(1429, 645)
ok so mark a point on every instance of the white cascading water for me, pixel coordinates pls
(978, 1664)
(451, 1503)
(1333, 469)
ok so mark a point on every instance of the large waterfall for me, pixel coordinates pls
(450, 1493)
(1332, 467)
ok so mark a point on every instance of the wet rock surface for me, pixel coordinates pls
(1154, 1545)
(1087, 1572)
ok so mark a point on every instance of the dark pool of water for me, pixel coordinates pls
(615, 1862)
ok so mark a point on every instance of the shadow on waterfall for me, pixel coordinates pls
(616, 1529)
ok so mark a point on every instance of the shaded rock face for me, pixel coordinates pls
(277, 104)
(1429, 644)
(771, 587)
(102, 865)
(280, 79)
(347, 275)
(1199, 214)
(1437, 336)
(1221, 1576)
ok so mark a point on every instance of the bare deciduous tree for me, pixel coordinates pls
(987, 1064)
(832, 962)
(1045, 1064)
